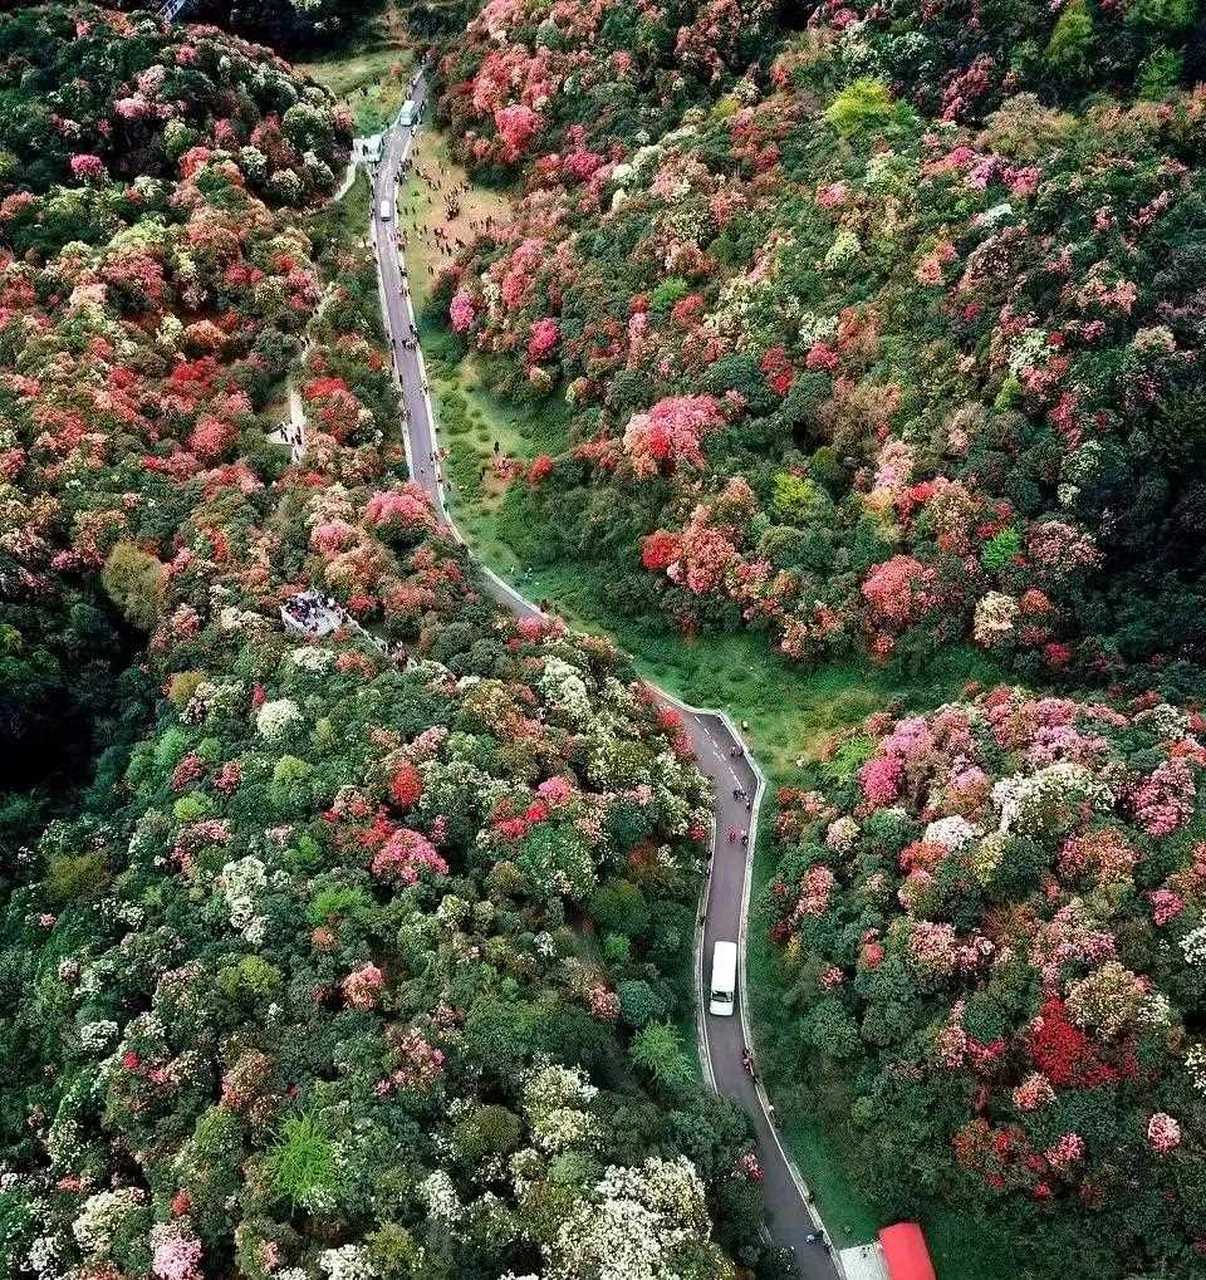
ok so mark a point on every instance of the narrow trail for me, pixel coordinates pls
(297, 412)
(345, 185)
(717, 744)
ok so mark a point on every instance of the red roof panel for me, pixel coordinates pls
(905, 1253)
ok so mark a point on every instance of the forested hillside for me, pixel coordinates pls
(346, 922)
(888, 342)
(150, 300)
(991, 920)
(362, 955)
(876, 330)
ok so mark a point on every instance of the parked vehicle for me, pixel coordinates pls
(724, 979)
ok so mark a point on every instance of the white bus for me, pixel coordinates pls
(386, 211)
(724, 979)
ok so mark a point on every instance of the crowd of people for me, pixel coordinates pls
(314, 613)
(294, 435)
(412, 215)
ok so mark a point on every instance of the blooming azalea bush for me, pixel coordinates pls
(991, 922)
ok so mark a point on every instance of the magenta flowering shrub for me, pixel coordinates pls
(991, 923)
(671, 434)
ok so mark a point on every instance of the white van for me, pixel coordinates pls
(724, 979)
(386, 212)
(409, 114)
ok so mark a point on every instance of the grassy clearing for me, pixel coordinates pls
(369, 74)
(791, 713)
(472, 422)
(432, 162)
(344, 223)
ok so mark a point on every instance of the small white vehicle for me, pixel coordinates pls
(386, 211)
(409, 115)
(724, 979)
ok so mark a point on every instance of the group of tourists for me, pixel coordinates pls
(314, 613)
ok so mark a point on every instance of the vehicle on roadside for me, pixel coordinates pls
(724, 979)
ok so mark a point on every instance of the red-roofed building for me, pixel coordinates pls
(906, 1256)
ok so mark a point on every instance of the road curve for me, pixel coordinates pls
(712, 735)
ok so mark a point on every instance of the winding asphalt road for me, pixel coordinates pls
(715, 740)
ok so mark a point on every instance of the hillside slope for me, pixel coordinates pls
(348, 953)
(867, 378)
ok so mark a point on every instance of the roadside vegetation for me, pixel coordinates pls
(354, 943)
(843, 374)
(369, 77)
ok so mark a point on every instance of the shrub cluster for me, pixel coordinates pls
(868, 375)
(992, 921)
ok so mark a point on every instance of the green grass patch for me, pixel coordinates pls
(431, 158)
(471, 420)
(343, 224)
(369, 77)
(791, 712)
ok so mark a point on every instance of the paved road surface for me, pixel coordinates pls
(721, 1039)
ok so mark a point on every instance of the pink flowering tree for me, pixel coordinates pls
(670, 434)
